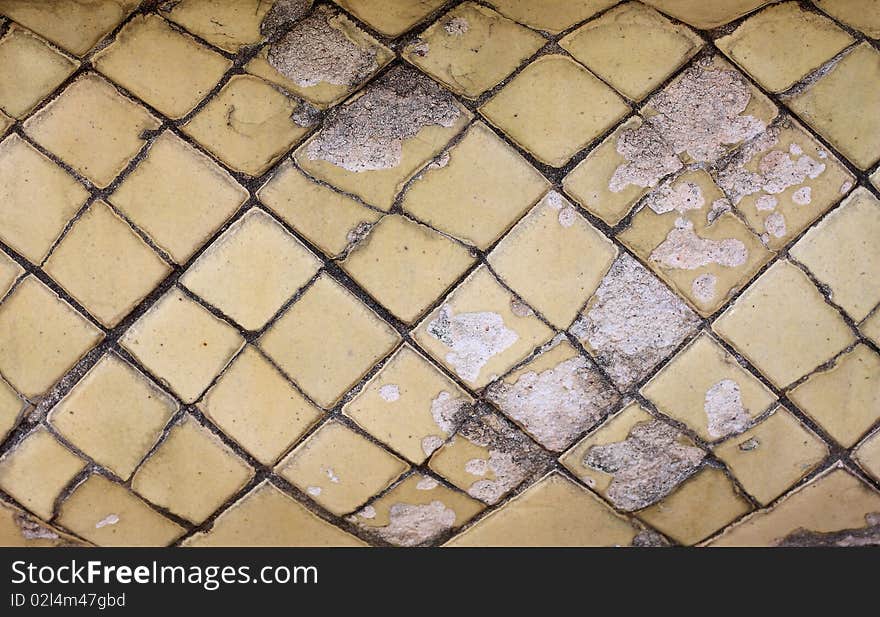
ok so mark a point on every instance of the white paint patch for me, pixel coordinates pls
(473, 338)
(766, 202)
(389, 392)
(110, 519)
(314, 491)
(703, 287)
(477, 466)
(803, 196)
(684, 249)
(426, 484)
(775, 225)
(554, 200)
(724, 409)
(795, 149)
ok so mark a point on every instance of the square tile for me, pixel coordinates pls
(774, 325)
(406, 266)
(11, 408)
(410, 405)
(249, 124)
(860, 14)
(472, 48)
(105, 265)
(552, 16)
(258, 408)
(481, 330)
(92, 128)
(114, 414)
(44, 337)
(150, 196)
(30, 183)
(328, 340)
(554, 108)
(339, 469)
(166, 69)
(393, 17)
(29, 71)
(554, 259)
(251, 270)
(868, 455)
(632, 47)
(182, 344)
(191, 473)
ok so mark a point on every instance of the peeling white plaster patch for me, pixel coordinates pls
(110, 519)
(685, 196)
(719, 207)
(507, 475)
(473, 338)
(703, 287)
(389, 392)
(314, 490)
(456, 26)
(795, 149)
(845, 187)
(447, 411)
(766, 202)
(520, 308)
(430, 444)
(803, 196)
(368, 512)
(477, 466)
(724, 409)
(567, 216)
(554, 200)
(426, 484)
(32, 530)
(684, 249)
(775, 225)
(414, 524)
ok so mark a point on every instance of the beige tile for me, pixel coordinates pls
(37, 470)
(706, 15)
(107, 514)
(29, 71)
(481, 330)
(268, 517)
(406, 266)
(114, 414)
(191, 473)
(251, 270)
(31, 183)
(328, 340)
(43, 338)
(11, 408)
(860, 14)
(9, 273)
(553, 512)
(20, 529)
(840, 105)
(632, 47)
(842, 252)
(182, 344)
(774, 325)
(393, 17)
(339, 469)
(845, 398)
(150, 196)
(5, 123)
(92, 128)
(868, 455)
(706, 388)
(258, 408)
(472, 48)
(554, 108)
(550, 15)
(871, 327)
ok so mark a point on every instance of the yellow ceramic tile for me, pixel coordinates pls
(487, 458)
(5, 123)
(249, 124)
(831, 503)
(845, 398)
(555, 397)
(330, 220)
(410, 405)
(783, 43)
(705, 387)
(551, 15)
(841, 104)
(778, 443)
(11, 408)
(554, 259)
(29, 71)
(632, 47)
(19, 529)
(268, 517)
(251, 270)
(104, 265)
(863, 15)
(393, 17)
(554, 108)
(37, 470)
(702, 505)
(107, 514)
(775, 322)
(166, 69)
(842, 252)
(114, 414)
(9, 273)
(472, 48)
(150, 196)
(328, 340)
(372, 144)
(481, 330)
(684, 234)
(92, 128)
(875, 178)
(182, 344)
(871, 327)
(339, 469)
(633, 460)
(553, 512)
(868, 455)
(258, 408)
(477, 190)
(323, 58)
(706, 15)
(37, 199)
(416, 511)
(406, 266)
(43, 338)
(75, 25)
(191, 473)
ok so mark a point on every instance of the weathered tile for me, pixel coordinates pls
(706, 15)
(860, 14)
(871, 326)
(551, 15)
(868, 455)
(20, 529)
(10, 271)
(393, 17)
(11, 408)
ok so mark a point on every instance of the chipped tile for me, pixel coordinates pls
(20, 529)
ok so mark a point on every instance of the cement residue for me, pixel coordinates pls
(685, 196)
(684, 249)
(724, 409)
(775, 225)
(32, 530)
(448, 411)
(869, 535)
(648, 538)
(473, 339)
(703, 287)
(456, 26)
(282, 14)
(411, 525)
(648, 156)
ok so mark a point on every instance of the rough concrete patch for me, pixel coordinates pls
(724, 409)
(719, 207)
(646, 466)
(473, 339)
(32, 530)
(775, 225)
(414, 524)
(803, 196)
(703, 287)
(686, 196)
(427, 484)
(649, 158)
(649, 539)
(869, 535)
(556, 405)
(430, 444)
(448, 411)
(684, 249)
(368, 133)
(456, 26)
(282, 14)
(389, 392)
(766, 202)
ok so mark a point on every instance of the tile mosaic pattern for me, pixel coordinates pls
(439, 272)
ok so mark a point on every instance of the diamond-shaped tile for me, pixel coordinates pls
(11, 407)
(20, 529)
(860, 14)
(551, 15)
(393, 17)
(868, 455)
(871, 326)
(706, 15)
(9, 273)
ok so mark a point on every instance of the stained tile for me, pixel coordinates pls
(20, 529)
